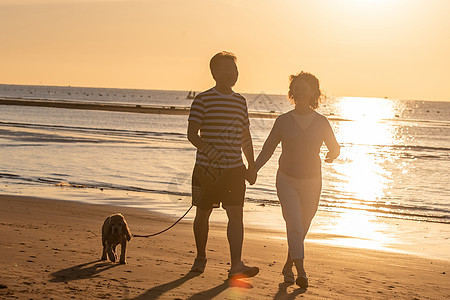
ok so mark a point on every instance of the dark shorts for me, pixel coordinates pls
(211, 186)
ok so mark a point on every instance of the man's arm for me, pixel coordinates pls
(193, 137)
(247, 148)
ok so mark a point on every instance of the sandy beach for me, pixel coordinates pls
(51, 249)
(108, 106)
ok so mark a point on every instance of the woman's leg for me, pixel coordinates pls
(292, 214)
(291, 209)
(309, 195)
(299, 201)
(287, 270)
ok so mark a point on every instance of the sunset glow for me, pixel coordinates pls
(365, 48)
(225, 149)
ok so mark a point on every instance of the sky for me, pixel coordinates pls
(357, 48)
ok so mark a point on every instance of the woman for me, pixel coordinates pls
(301, 131)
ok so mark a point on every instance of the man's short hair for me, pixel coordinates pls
(214, 62)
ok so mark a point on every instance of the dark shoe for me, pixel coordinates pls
(288, 275)
(242, 271)
(199, 265)
(302, 281)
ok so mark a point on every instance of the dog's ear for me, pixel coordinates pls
(127, 230)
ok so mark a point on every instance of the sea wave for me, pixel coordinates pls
(178, 135)
(158, 106)
(107, 132)
(136, 152)
(380, 208)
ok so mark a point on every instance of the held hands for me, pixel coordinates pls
(215, 156)
(251, 175)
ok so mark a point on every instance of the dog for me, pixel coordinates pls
(115, 231)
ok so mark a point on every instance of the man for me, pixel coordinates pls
(219, 129)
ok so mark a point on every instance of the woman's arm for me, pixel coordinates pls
(333, 147)
(269, 147)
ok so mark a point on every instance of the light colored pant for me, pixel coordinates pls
(299, 200)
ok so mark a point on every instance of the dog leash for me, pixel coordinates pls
(149, 235)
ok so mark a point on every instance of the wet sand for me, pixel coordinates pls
(51, 249)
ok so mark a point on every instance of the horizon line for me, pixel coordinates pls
(241, 92)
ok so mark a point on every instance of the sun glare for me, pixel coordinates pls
(364, 177)
(358, 229)
(367, 124)
(366, 109)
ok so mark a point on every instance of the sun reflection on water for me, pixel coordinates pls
(367, 124)
(364, 175)
(357, 229)
(364, 178)
(366, 109)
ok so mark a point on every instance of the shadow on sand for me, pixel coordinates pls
(282, 293)
(211, 293)
(158, 291)
(87, 270)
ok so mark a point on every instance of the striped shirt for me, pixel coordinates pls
(222, 118)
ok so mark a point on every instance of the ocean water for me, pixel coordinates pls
(394, 162)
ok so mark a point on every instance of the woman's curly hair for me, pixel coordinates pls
(314, 84)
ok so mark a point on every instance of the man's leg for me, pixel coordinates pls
(201, 229)
(235, 233)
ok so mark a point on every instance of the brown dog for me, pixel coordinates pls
(115, 231)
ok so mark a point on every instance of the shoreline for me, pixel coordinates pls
(129, 108)
(353, 229)
(51, 249)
